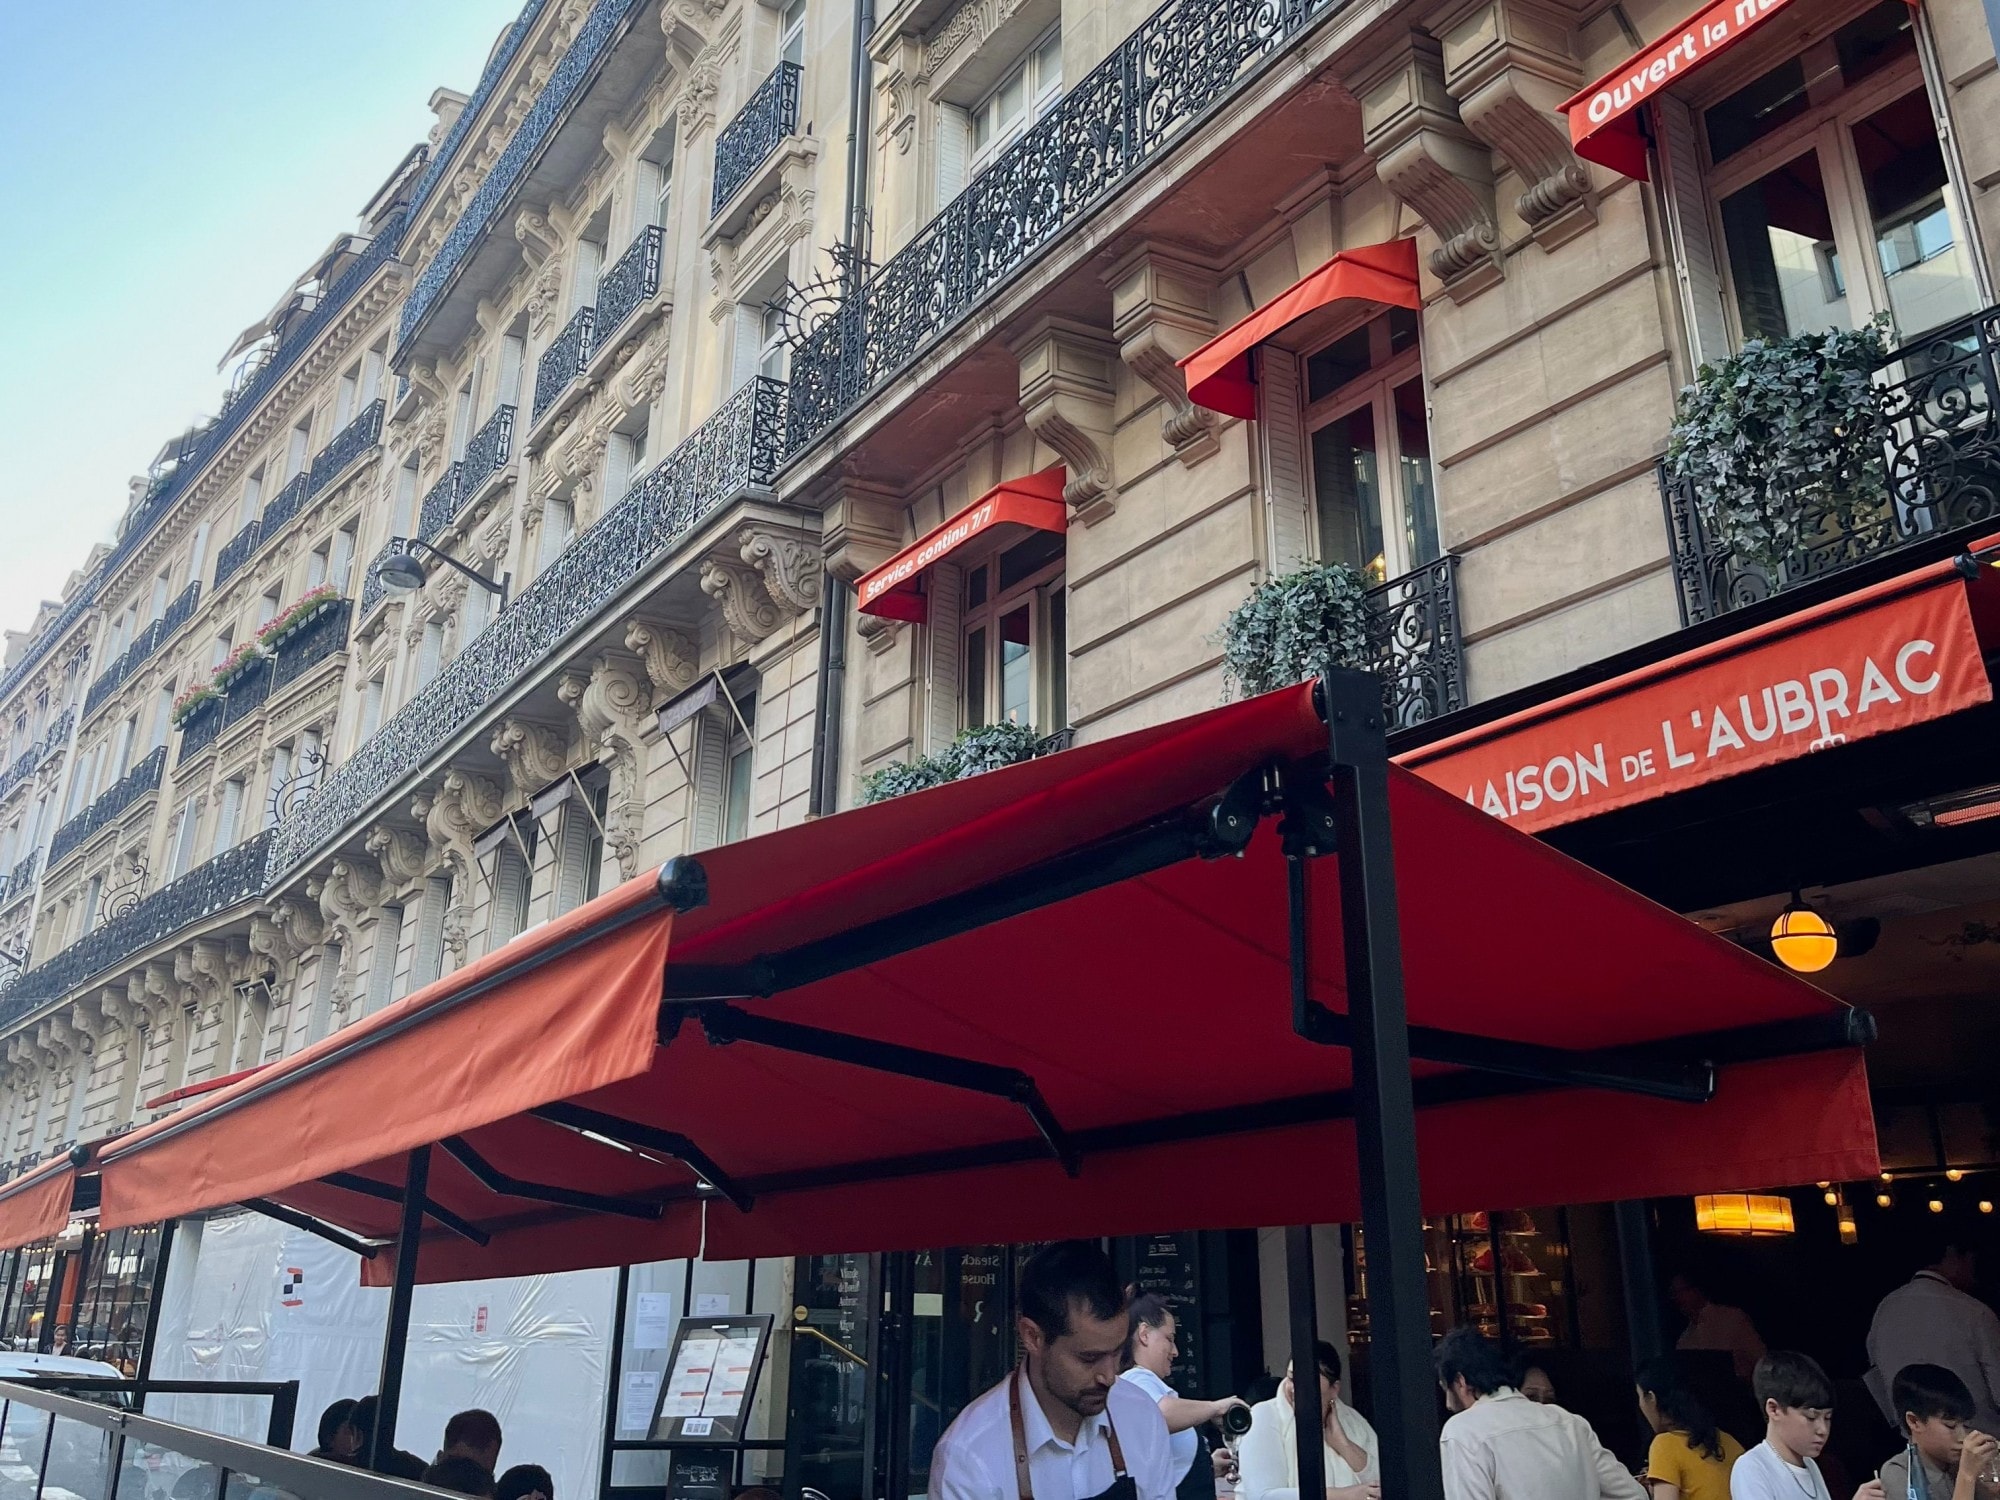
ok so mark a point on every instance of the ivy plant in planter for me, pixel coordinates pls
(987, 748)
(1785, 442)
(1295, 625)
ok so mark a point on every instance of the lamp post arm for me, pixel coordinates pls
(491, 587)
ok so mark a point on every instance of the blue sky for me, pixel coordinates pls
(169, 166)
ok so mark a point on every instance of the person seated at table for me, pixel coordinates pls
(339, 1440)
(1268, 1455)
(395, 1462)
(457, 1472)
(525, 1482)
(473, 1434)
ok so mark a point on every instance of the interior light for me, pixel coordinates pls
(1831, 1197)
(1953, 1174)
(1849, 1233)
(1804, 941)
(1936, 1205)
(1985, 1206)
(1755, 1214)
(1883, 1200)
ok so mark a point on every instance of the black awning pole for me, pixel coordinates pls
(1641, 1284)
(396, 1337)
(1385, 1114)
(1303, 1307)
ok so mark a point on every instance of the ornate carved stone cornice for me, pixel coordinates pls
(747, 607)
(790, 566)
(671, 657)
(535, 754)
(401, 854)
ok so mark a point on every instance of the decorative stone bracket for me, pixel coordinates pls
(1160, 315)
(738, 589)
(1067, 395)
(859, 532)
(671, 657)
(535, 754)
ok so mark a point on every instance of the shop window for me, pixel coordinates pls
(1023, 96)
(1014, 629)
(1374, 505)
(1831, 191)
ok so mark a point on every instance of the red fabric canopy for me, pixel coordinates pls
(1034, 501)
(35, 1205)
(1153, 1014)
(1218, 373)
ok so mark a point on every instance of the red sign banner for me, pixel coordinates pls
(1881, 660)
(1034, 501)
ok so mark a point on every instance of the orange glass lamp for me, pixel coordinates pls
(1804, 941)
(1760, 1215)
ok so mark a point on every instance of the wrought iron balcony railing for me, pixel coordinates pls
(25, 764)
(570, 76)
(113, 800)
(440, 502)
(85, 596)
(227, 881)
(487, 453)
(564, 359)
(20, 880)
(312, 643)
(1184, 59)
(247, 694)
(235, 553)
(199, 730)
(1413, 628)
(1938, 399)
(735, 450)
(281, 507)
(145, 645)
(623, 290)
(372, 590)
(348, 444)
(760, 127)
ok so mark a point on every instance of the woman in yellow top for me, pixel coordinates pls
(1690, 1458)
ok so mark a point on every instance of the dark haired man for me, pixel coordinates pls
(1063, 1426)
(1933, 1319)
(1499, 1445)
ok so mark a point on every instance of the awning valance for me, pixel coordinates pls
(1032, 502)
(913, 1024)
(1880, 659)
(1218, 373)
(36, 1205)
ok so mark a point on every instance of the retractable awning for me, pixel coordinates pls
(1036, 1002)
(1033, 502)
(36, 1205)
(1218, 374)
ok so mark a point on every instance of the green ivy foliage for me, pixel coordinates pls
(1784, 442)
(984, 749)
(1294, 626)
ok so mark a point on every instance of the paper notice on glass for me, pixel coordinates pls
(653, 1321)
(687, 1382)
(635, 1405)
(730, 1384)
(711, 1304)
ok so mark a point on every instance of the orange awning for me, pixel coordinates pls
(35, 1206)
(1034, 501)
(1880, 659)
(206, 1086)
(1218, 373)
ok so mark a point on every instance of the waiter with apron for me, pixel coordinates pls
(1062, 1426)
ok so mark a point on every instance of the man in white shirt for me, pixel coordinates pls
(1498, 1445)
(1063, 1426)
(1934, 1319)
(1715, 1326)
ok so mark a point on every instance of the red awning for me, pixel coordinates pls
(1034, 501)
(206, 1086)
(1871, 662)
(896, 1092)
(1218, 373)
(36, 1205)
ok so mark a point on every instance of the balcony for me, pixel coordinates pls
(1184, 59)
(621, 291)
(1938, 398)
(199, 730)
(324, 635)
(753, 137)
(734, 451)
(18, 881)
(563, 361)
(486, 455)
(440, 503)
(24, 764)
(228, 880)
(142, 779)
(235, 553)
(281, 507)
(247, 693)
(348, 444)
(145, 645)
(1413, 628)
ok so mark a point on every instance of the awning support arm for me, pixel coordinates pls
(307, 1224)
(648, 1138)
(726, 1023)
(396, 1336)
(494, 1180)
(369, 1188)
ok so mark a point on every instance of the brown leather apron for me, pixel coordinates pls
(1122, 1487)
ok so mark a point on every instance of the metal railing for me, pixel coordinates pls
(145, 645)
(20, 880)
(564, 359)
(281, 507)
(24, 765)
(324, 635)
(749, 140)
(113, 800)
(1183, 60)
(348, 444)
(85, 596)
(440, 502)
(487, 453)
(130, 1395)
(228, 880)
(199, 730)
(623, 290)
(1418, 652)
(60, 1447)
(733, 452)
(1938, 398)
(247, 692)
(235, 553)
(373, 591)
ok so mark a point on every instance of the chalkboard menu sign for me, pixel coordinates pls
(701, 1474)
(1169, 1266)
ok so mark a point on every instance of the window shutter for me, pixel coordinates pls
(749, 343)
(1285, 498)
(711, 774)
(427, 963)
(382, 957)
(944, 587)
(954, 152)
(573, 857)
(510, 896)
(1698, 268)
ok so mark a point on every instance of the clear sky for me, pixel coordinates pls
(167, 167)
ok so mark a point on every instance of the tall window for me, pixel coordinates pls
(198, 553)
(180, 843)
(1015, 637)
(1027, 91)
(430, 651)
(403, 518)
(771, 342)
(371, 706)
(229, 816)
(739, 772)
(1831, 192)
(1374, 506)
(298, 449)
(253, 498)
(93, 893)
(653, 186)
(163, 715)
(340, 561)
(792, 35)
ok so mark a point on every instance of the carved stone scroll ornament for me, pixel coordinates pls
(1068, 395)
(671, 657)
(1160, 315)
(790, 566)
(401, 854)
(608, 697)
(535, 754)
(747, 607)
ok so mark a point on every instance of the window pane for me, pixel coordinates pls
(1757, 109)
(975, 587)
(1341, 361)
(1413, 438)
(1048, 63)
(1402, 329)
(1870, 42)
(1017, 678)
(975, 678)
(1013, 96)
(1781, 253)
(1026, 559)
(1916, 233)
(1348, 493)
(1058, 655)
(736, 821)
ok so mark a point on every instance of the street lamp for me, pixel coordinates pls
(404, 572)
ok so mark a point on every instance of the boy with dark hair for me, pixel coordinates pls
(1946, 1450)
(1798, 1419)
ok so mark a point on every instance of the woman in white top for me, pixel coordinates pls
(1269, 1454)
(1150, 1352)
